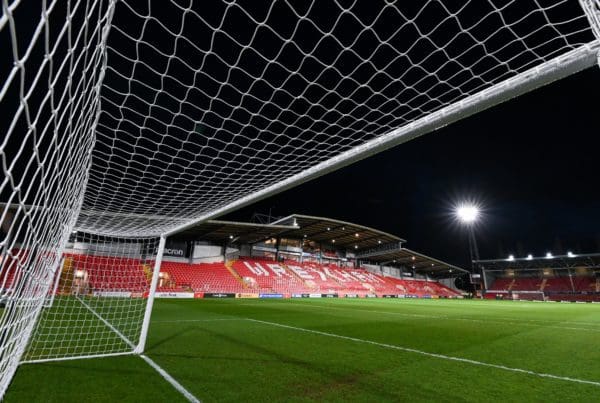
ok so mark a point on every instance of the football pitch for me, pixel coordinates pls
(368, 350)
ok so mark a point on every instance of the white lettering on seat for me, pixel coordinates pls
(301, 272)
(257, 269)
(278, 270)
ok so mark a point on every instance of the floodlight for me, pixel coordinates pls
(467, 213)
(511, 258)
(530, 257)
(570, 254)
(549, 255)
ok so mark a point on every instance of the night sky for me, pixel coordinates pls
(532, 163)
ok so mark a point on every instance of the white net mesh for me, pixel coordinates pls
(206, 102)
(98, 301)
(50, 69)
(130, 119)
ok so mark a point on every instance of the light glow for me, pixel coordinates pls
(467, 213)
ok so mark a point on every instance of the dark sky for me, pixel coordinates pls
(531, 162)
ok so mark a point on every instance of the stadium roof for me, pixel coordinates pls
(587, 260)
(340, 234)
(221, 231)
(409, 259)
(368, 244)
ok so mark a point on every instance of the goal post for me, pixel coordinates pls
(139, 349)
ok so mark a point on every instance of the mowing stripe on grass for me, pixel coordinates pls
(427, 316)
(193, 320)
(428, 354)
(170, 379)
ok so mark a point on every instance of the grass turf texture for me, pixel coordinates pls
(211, 348)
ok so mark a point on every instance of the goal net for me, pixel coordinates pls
(97, 301)
(528, 295)
(128, 121)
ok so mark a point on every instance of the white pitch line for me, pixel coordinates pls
(167, 377)
(154, 365)
(434, 355)
(107, 323)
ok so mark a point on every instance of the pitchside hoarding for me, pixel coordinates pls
(219, 295)
(174, 295)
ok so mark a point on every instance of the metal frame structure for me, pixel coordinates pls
(559, 262)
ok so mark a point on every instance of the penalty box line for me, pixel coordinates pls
(433, 355)
(167, 377)
(164, 374)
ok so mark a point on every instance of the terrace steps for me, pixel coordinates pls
(235, 274)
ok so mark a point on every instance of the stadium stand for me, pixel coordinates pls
(527, 284)
(576, 288)
(206, 277)
(558, 284)
(246, 275)
(111, 273)
(315, 277)
(267, 276)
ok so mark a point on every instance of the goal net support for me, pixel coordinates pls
(129, 121)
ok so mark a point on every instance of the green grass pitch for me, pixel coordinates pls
(367, 350)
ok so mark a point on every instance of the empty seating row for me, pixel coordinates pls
(207, 277)
(107, 273)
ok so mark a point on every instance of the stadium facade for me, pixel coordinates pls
(297, 255)
(570, 277)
